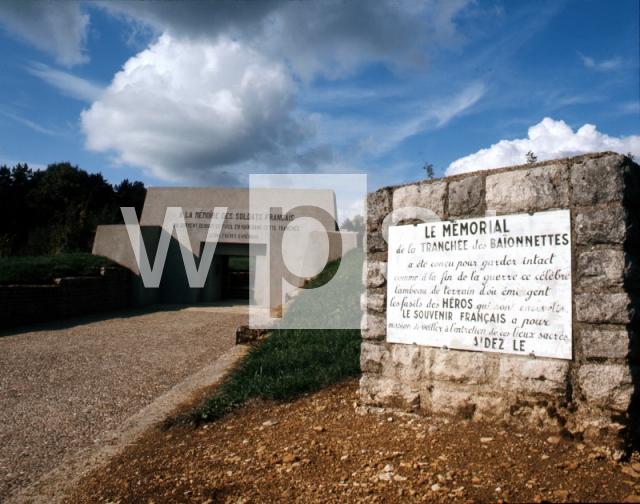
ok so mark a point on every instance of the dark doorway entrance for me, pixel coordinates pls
(237, 281)
(231, 271)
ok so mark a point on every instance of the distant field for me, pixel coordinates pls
(43, 269)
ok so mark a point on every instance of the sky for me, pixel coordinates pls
(197, 93)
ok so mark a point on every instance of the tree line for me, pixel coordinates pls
(57, 210)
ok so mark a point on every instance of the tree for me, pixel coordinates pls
(70, 203)
(531, 157)
(15, 187)
(428, 168)
(130, 194)
(630, 156)
(357, 225)
(57, 210)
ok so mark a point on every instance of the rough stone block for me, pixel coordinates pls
(373, 274)
(373, 327)
(489, 408)
(530, 190)
(601, 269)
(407, 362)
(534, 376)
(428, 358)
(606, 386)
(373, 302)
(381, 391)
(376, 246)
(461, 367)
(372, 357)
(379, 205)
(605, 308)
(465, 197)
(604, 225)
(603, 180)
(429, 196)
(607, 344)
(447, 401)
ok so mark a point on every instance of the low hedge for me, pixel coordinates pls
(43, 269)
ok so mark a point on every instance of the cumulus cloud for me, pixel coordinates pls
(329, 38)
(547, 140)
(56, 27)
(183, 107)
(215, 91)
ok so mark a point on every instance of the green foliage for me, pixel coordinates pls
(130, 194)
(57, 210)
(531, 157)
(428, 168)
(291, 362)
(43, 269)
(242, 263)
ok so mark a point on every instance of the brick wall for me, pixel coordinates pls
(68, 297)
(591, 396)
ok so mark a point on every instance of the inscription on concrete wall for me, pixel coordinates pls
(494, 284)
(239, 226)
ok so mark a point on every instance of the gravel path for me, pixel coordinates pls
(66, 385)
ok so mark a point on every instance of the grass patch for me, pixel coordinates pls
(43, 269)
(291, 362)
(339, 303)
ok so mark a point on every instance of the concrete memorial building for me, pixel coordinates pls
(302, 222)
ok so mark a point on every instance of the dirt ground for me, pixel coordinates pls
(322, 448)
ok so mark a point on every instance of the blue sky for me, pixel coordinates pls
(207, 93)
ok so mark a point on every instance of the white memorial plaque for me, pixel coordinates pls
(494, 284)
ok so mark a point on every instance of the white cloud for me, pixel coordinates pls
(182, 109)
(632, 107)
(459, 103)
(70, 85)
(383, 136)
(602, 66)
(179, 116)
(56, 27)
(34, 126)
(547, 140)
(350, 188)
(350, 210)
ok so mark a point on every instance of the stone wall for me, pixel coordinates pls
(590, 396)
(67, 297)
